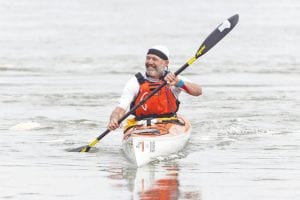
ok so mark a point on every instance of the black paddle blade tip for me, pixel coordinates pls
(234, 19)
(79, 149)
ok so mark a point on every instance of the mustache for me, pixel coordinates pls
(151, 68)
(148, 65)
(154, 66)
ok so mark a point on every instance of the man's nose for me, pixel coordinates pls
(150, 61)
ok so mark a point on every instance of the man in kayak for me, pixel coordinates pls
(165, 102)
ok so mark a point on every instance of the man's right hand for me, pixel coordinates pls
(114, 117)
(113, 124)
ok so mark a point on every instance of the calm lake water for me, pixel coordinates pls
(63, 65)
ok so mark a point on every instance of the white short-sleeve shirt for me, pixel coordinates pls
(132, 87)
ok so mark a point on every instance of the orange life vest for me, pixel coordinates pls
(161, 104)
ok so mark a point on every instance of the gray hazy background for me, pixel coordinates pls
(62, 68)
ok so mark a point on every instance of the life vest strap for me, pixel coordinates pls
(140, 78)
(167, 115)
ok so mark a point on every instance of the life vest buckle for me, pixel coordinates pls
(147, 122)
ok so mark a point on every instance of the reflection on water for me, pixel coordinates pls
(152, 184)
(153, 181)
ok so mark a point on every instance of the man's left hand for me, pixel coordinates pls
(171, 79)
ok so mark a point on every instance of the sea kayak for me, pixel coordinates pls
(149, 139)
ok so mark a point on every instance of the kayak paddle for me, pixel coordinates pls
(220, 32)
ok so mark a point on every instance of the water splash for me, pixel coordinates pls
(25, 126)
